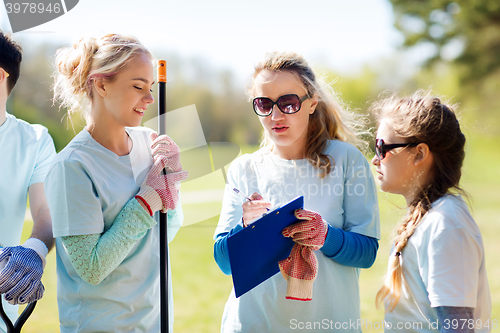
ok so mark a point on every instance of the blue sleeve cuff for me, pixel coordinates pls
(333, 241)
(350, 248)
(221, 252)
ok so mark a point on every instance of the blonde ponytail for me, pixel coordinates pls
(73, 66)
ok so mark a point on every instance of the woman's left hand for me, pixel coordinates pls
(309, 232)
(163, 145)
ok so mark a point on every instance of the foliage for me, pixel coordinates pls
(465, 40)
(473, 26)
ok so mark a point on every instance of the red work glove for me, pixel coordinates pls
(301, 267)
(163, 145)
(159, 191)
(310, 232)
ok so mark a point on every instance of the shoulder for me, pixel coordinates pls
(248, 164)
(74, 151)
(240, 162)
(450, 212)
(30, 132)
(336, 148)
(346, 155)
(247, 159)
(446, 208)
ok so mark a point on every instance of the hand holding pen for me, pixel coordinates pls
(254, 207)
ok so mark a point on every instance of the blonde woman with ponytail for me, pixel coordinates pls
(105, 188)
(436, 280)
(307, 151)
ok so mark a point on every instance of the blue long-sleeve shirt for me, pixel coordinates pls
(346, 248)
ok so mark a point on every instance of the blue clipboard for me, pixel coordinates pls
(254, 252)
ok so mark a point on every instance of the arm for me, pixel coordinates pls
(346, 248)
(20, 280)
(221, 253)
(251, 211)
(101, 252)
(355, 244)
(28, 259)
(350, 248)
(448, 315)
(42, 223)
(95, 256)
(455, 257)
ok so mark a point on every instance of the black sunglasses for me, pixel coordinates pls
(381, 148)
(288, 104)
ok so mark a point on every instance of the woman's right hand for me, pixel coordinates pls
(163, 145)
(254, 209)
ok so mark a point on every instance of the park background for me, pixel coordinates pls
(361, 47)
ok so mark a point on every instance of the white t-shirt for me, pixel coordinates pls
(26, 152)
(346, 199)
(87, 186)
(443, 265)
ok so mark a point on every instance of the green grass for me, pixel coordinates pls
(201, 289)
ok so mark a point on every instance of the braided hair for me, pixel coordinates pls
(421, 118)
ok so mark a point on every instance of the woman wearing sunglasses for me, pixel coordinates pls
(436, 268)
(304, 153)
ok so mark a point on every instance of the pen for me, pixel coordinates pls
(244, 196)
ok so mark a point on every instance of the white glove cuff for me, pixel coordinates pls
(38, 246)
(151, 197)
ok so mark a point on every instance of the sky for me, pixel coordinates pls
(343, 35)
(234, 35)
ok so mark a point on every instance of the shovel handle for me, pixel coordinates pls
(16, 328)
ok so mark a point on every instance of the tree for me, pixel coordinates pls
(466, 32)
(465, 37)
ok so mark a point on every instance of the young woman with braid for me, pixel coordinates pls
(436, 269)
(106, 187)
(305, 151)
